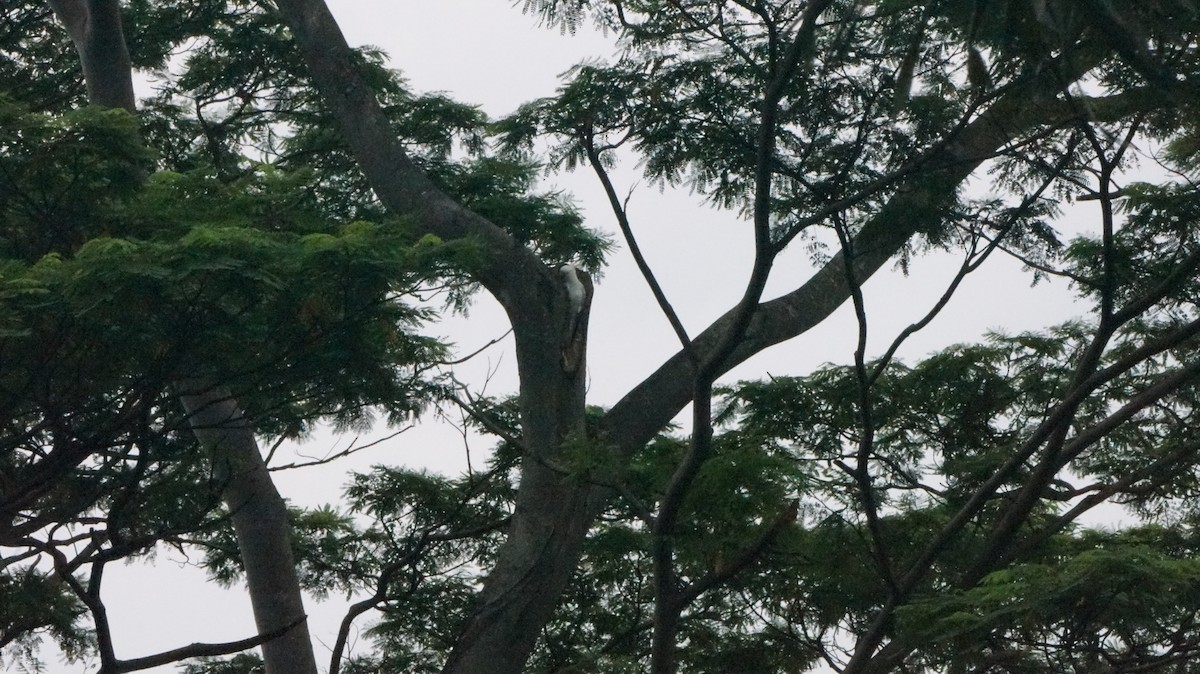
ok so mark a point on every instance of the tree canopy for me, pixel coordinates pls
(258, 248)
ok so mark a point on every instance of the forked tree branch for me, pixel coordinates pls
(1053, 429)
(708, 366)
(526, 289)
(632, 422)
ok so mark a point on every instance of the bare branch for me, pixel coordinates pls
(202, 650)
(478, 351)
(334, 456)
(620, 211)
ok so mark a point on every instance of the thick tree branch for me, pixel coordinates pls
(657, 399)
(260, 521)
(95, 29)
(511, 272)
(259, 515)
(548, 525)
(552, 516)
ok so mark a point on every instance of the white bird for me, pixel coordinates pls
(575, 290)
(579, 298)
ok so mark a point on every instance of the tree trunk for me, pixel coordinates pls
(260, 522)
(95, 30)
(549, 524)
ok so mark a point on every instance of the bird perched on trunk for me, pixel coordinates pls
(578, 284)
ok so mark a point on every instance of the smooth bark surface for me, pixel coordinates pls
(95, 30)
(260, 521)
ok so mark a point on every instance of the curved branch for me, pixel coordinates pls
(358, 608)
(549, 525)
(747, 556)
(203, 650)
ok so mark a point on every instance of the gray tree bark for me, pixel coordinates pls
(95, 30)
(550, 521)
(260, 522)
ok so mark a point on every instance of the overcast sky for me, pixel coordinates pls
(488, 53)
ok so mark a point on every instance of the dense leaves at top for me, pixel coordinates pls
(879, 88)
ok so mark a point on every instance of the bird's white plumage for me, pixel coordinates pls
(578, 285)
(575, 289)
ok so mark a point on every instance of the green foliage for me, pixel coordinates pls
(425, 535)
(875, 91)
(61, 177)
(412, 540)
(501, 191)
(115, 286)
(37, 64)
(1147, 253)
(123, 309)
(227, 235)
(36, 604)
(941, 429)
(1104, 592)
